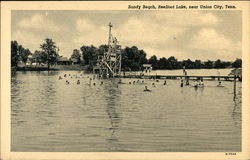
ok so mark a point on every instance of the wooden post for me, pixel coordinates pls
(234, 85)
(187, 80)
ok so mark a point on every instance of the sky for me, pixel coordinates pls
(204, 35)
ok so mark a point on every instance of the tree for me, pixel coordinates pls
(133, 58)
(102, 49)
(197, 64)
(24, 54)
(237, 63)
(218, 64)
(39, 57)
(188, 64)
(89, 54)
(153, 60)
(208, 64)
(76, 55)
(50, 49)
(227, 64)
(143, 57)
(173, 63)
(163, 62)
(14, 54)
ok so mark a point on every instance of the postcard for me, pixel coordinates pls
(125, 80)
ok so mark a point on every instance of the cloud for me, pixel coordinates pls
(158, 32)
(27, 39)
(90, 34)
(192, 34)
(211, 41)
(187, 19)
(181, 34)
(31, 40)
(146, 32)
(38, 21)
(209, 38)
(84, 25)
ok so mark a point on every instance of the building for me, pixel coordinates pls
(236, 72)
(64, 61)
(74, 60)
(147, 67)
(29, 60)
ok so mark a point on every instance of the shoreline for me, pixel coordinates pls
(52, 68)
(78, 67)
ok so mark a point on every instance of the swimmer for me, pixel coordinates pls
(133, 82)
(146, 89)
(219, 85)
(196, 84)
(101, 83)
(94, 84)
(182, 83)
(67, 82)
(120, 81)
(60, 77)
(129, 82)
(157, 80)
(153, 84)
(201, 83)
(165, 83)
(78, 81)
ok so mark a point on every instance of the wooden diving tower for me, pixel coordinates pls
(109, 64)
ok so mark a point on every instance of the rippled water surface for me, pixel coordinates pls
(48, 115)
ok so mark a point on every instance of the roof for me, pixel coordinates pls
(63, 59)
(146, 65)
(236, 71)
(73, 59)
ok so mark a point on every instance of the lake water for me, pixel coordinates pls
(48, 115)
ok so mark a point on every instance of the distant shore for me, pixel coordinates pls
(52, 68)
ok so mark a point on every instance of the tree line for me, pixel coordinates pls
(133, 58)
(173, 63)
(18, 53)
(47, 55)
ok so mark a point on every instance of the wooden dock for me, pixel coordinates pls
(211, 78)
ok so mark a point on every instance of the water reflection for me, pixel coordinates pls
(236, 112)
(113, 94)
(16, 91)
(48, 73)
(48, 95)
